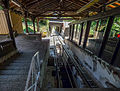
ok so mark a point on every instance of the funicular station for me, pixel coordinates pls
(81, 48)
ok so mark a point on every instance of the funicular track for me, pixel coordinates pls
(69, 62)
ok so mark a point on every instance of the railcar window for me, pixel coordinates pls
(96, 34)
(112, 41)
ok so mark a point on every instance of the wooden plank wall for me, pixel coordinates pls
(16, 22)
(3, 23)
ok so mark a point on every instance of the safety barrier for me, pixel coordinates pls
(34, 74)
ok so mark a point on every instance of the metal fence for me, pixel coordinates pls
(33, 79)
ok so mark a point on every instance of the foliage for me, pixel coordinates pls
(103, 24)
(43, 22)
(116, 27)
(29, 30)
(1, 8)
(92, 28)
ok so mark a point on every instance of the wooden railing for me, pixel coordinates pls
(6, 47)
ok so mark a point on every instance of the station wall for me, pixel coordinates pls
(3, 23)
(16, 21)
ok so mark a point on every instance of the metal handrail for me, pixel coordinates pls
(34, 73)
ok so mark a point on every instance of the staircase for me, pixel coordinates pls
(13, 73)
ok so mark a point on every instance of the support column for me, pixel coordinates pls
(33, 19)
(70, 26)
(38, 25)
(6, 11)
(26, 25)
(26, 22)
(97, 25)
(72, 31)
(107, 32)
(76, 30)
(50, 30)
(87, 33)
(81, 33)
(96, 32)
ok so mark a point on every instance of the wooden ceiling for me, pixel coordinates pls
(61, 8)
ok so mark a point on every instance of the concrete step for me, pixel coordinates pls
(14, 72)
(23, 59)
(17, 64)
(13, 78)
(12, 86)
(14, 68)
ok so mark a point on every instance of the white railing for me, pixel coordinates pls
(34, 73)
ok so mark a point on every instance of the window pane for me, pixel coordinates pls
(96, 34)
(74, 36)
(76, 33)
(112, 40)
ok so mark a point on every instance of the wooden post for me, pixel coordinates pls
(26, 25)
(86, 33)
(26, 22)
(72, 31)
(33, 19)
(50, 30)
(107, 32)
(115, 53)
(97, 25)
(38, 25)
(6, 11)
(76, 30)
(81, 33)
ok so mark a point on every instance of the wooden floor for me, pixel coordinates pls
(13, 72)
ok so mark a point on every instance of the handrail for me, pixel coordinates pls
(34, 73)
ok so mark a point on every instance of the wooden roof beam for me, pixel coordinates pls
(88, 5)
(72, 10)
(58, 15)
(58, 19)
(19, 4)
(42, 5)
(32, 4)
(113, 12)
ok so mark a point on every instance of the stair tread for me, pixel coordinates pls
(17, 72)
(12, 86)
(16, 64)
(13, 78)
(14, 67)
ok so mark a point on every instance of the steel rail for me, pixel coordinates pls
(78, 68)
(68, 75)
(65, 61)
(56, 61)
